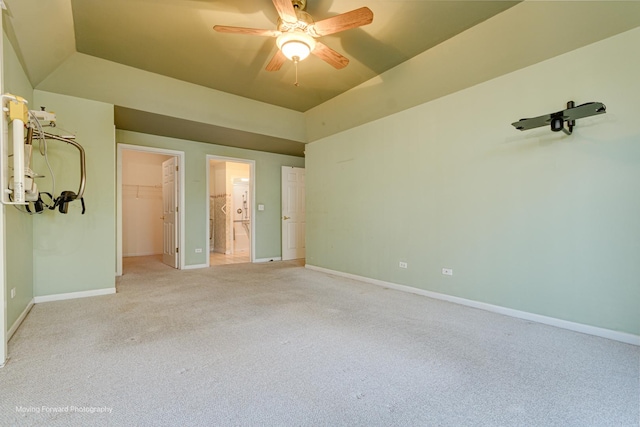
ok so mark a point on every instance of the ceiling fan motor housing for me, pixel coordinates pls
(304, 23)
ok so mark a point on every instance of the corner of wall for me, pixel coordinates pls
(18, 227)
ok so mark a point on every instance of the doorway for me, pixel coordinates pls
(230, 219)
(150, 198)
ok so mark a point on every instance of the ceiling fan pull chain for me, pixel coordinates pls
(295, 62)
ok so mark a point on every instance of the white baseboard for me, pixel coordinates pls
(194, 266)
(277, 258)
(20, 319)
(141, 254)
(74, 295)
(552, 321)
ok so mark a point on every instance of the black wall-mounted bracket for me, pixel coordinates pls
(557, 120)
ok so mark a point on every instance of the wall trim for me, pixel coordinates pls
(194, 266)
(551, 321)
(20, 319)
(275, 258)
(74, 295)
(141, 254)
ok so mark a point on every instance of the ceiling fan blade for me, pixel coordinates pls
(330, 56)
(286, 10)
(345, 21)
(276, 62)
(249, 31)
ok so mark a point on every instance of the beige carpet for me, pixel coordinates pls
(276, 344)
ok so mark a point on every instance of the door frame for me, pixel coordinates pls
(181, 197)
(4, 336)
(252, 197)
(3, 276)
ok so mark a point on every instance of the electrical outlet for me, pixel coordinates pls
(198, 250)
(403, 264)
(13, 292)
(447, 271)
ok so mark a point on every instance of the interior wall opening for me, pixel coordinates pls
(149, 199)
(230, 212)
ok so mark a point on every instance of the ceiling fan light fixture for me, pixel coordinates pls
(295, 50)
(296, 46)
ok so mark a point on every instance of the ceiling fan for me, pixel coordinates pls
(297, 33)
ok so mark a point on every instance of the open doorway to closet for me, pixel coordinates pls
(149, 200)
(231, 237)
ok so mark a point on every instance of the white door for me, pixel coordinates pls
(293, 213)
(170, 211)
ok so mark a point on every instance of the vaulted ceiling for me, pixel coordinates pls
(175, 38)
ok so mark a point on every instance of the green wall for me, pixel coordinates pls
(267, 188)
(74, 252)
(18, 226)
(89, 77)
(535, 221)
(522, 35)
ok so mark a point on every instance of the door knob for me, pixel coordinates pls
(286, 217)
